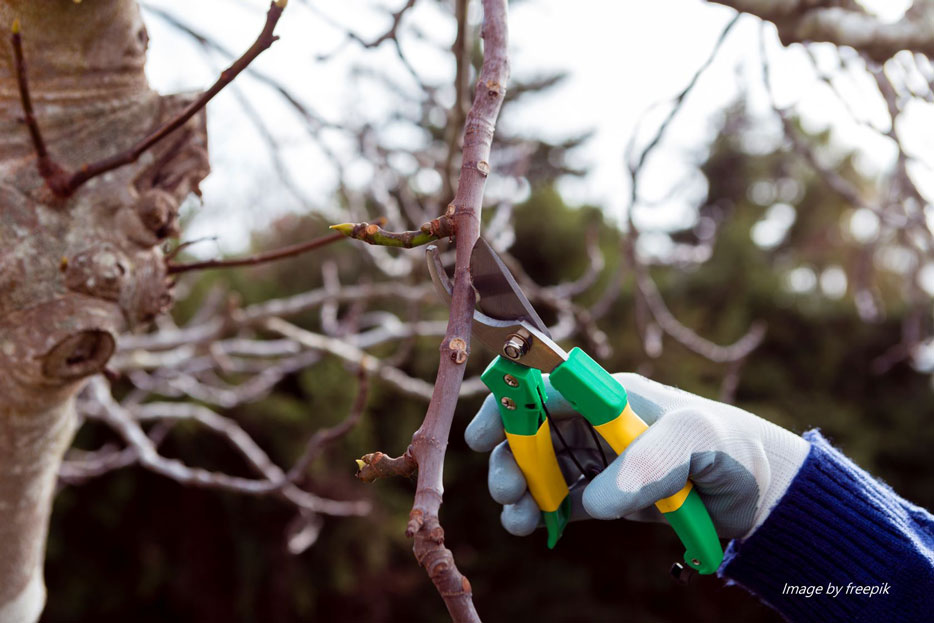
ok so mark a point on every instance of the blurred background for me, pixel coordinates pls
(686, 198)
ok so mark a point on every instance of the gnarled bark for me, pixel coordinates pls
(73, 271)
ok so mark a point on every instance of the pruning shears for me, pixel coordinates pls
(505, 321)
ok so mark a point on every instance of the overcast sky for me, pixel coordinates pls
(622, 58)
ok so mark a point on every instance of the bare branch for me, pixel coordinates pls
(395, 377)
(390, 34)
(129, 429)
(801, 21)
(430, 440)
(373, 233)
(670, 325)
(51, 172)
(458, 112)
(377, 465)
(636, 164)
(64, 184)
(216, 326)
(328, 435)
(259, 258)
(589, 276)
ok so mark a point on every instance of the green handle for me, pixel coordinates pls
(694, 527)
(600, 398)
(520, 394)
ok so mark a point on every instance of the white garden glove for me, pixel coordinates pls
(740, 464)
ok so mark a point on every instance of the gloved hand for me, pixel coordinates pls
(741, 464)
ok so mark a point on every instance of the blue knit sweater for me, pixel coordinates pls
(835, 531)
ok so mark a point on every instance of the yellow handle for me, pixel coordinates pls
(622, 431)
(535, 455)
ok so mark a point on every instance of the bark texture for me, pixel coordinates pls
(430, 440)
(74, 271)
(844, 22)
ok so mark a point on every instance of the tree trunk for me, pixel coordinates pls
(76, 270)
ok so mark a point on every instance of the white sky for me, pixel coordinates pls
(622, 57)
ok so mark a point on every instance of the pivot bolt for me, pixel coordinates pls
(515, 346)
(511, 380)
(508, 403)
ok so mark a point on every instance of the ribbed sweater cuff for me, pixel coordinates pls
(837, 526)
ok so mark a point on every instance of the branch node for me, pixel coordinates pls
(459, 352)
(416, 520)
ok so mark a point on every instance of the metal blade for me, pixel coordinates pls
(500, 296)
(542, 353)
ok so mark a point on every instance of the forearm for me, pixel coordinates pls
(834, 531)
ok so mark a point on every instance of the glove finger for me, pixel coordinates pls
(655, 466)
(485, 430)
(521, 518)
(579, 513)
(504, 478)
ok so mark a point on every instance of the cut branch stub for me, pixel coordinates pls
(158, 212)
(459, 350)
(378, 465)
(79, 355)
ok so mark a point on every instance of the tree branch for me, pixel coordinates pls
(273, 481)
(430, 440)
(259, 258)
(340, 348)
(53, 174)
(328, 435)
(461, 50)
(800, 21)
(377, 465)
(372, 233)
(64, 184)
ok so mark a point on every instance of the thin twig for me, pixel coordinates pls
(64, 184)
(391, 33)
(461, 49)
(328, 435)
(373, 233)
(259, 258)
(677, 102)
(341, 348)
(170, 255)
(52, 173)
(738, 350)
(129, 429)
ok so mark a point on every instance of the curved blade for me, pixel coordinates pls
(500, 296)
(439, 276)
(494, 332)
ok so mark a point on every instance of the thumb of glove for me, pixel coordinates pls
(728, 458)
